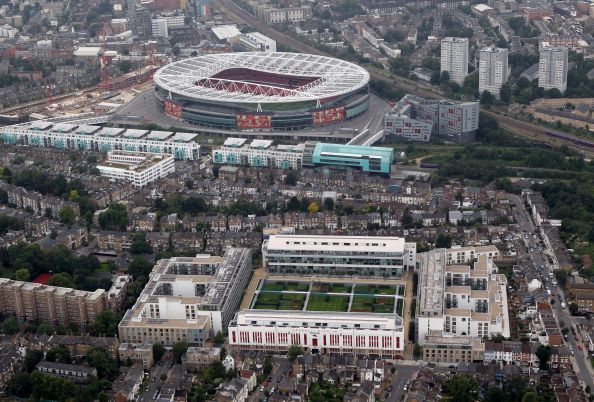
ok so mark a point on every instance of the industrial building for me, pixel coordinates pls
(368, 159)
(460, 303)
(140, 168)
(188, 299)
(46, 134)
(416, 119)
(363, 256)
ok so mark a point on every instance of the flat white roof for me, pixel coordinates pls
(40, 125)
(110, 131)
(87, 51)
(87, 129)
(482, 7)
(63, 127)
(332, 319)
(159, 135)
(234, 142)
(260, 144)
(133, 133)
(224, 32)
(184, 137)
(260, 37)
(336, 243)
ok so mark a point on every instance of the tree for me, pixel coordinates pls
(313, 208)
(11, 325)
(219, 338)
(32, 357)
(140, 267)
(67, 215)
(329, 204)
(573, 308)
(22, 274)
(115, 217)
(139, 244)
(294, 351)
(59, 354)
(158, 351)
(544, 354)
(20, 385)
(293, 205)
(62, 279)
(487, 98)
(561, 276)
(462, 388)
(106, 324)
(444, 78)
(291, 179)
(125, 66)
(178, 350)
(106, 366)
(443, 241)
(505, 92)
(417, 350)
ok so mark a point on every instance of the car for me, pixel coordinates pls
(579, 346)
(272, 390)
(262, 389)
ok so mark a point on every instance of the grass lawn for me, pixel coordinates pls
(279, 301)
(325, 287)
(324, 302)
(104, 267)
(400, 290)
(287, 286)
(372, 304)
(375, 289)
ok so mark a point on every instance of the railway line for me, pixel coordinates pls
(518, 127)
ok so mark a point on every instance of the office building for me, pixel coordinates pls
(139, 168)
(368, 159)
(257, 42)
(51, 304)
(159, 27)
(416, 119)
(363, 256)
(552, 67)
(493, 70)
(188, 299)
(273, 15)
(459, 303)
(88, 137)
(454, 58)
(258, 153)
(323, 332)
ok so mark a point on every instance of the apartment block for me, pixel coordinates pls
(139, 168)
(51, 304)
(552, 67)
(188, 299)
(454, 58)
(459, 303)
(338, 255)
(416, 119)
(140, 353)
(493, 70)
(272, 15)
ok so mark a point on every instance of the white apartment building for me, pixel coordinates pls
(324, 332)
(493, 70)
(159, 27)
(552, 67)
(465, 255)
(272, 15)
(259, 153)
(188, 299)
(256, 41)
(362, 256)
(458, 301)
(89, 137)
(454, 58)
(140, 168)
(8, 31)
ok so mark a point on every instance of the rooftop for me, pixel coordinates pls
(336, 243)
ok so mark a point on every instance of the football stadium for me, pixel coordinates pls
(264, 91)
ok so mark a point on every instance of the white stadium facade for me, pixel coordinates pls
(276, 91)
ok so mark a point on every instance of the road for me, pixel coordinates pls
(400, 378)
(536, 254)
(155, 381)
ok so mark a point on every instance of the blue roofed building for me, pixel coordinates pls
(368, 159)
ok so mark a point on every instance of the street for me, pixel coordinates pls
(155, 381)
(402, 375)
(537, 254)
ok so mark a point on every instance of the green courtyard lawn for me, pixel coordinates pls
(325, 302)
(372, 304)
(279, 301)
(294, 286)
(375, 289)
(324, 287)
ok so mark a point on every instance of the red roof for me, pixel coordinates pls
(43, 278)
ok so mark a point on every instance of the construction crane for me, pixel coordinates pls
(105, 60)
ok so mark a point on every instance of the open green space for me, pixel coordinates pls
(375, 289)
(372, 304)
(279, 301)
(288, 286)
(332, 287)
(325, 302)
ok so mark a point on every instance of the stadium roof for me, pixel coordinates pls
(331, 77)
